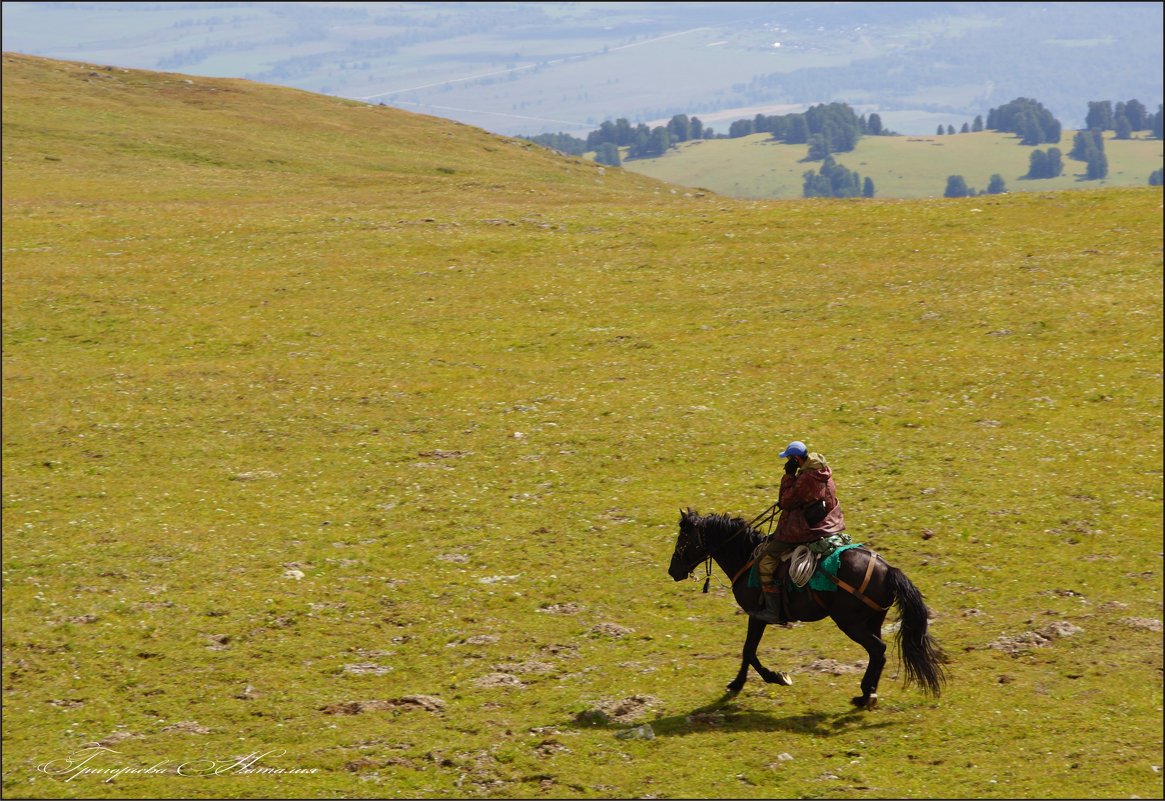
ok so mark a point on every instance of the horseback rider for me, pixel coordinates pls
(809, 512)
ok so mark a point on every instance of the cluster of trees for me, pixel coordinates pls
(641, 140)
(1031, 121)
(825, 128)
(974, 127)
(1088, 146)
(834, 180)
(1045, 165)
(1124, 119)
(1028, 118)
(957, 187)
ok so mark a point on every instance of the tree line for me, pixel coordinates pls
(824, 128)
(1034, 125)
(832, 128)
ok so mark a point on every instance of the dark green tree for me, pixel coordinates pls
(1086, 143)
(562, 142)
(1155, 178)
(624, 133)
(605, 133)
(832, 180)
(680, 128)
(818, 147)
(608, 153)
(1037, 165)
(956, 187)
(815, 185)
(1099, 115)
(874, 125)
(1138, 115)
(1027, 118)
(1055, 162)
(996, 186)
(649, 142)
(977, 125)
(868, 187)
(660, 141)
(940, 131)
(740, 128)
(1122, 126)
(798, 133)
(1097, 166)
(1029, 129)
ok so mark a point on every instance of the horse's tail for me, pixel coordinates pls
(917, 650)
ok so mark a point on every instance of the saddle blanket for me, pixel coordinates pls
(818, 581)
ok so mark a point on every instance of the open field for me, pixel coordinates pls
(903, 167)
(356, 440)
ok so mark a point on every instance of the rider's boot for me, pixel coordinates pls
(771, 612)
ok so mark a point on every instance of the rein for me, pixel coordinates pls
(708, 560)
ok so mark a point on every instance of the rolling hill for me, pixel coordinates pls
(343, 449)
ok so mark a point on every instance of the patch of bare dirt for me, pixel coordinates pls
(1021, 643)
(188, 727)
(611, 630)
(498, 680)
(426, 703)
(1146, 623)
(834, 668)
(625, 710)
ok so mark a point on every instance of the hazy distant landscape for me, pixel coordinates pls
(530, 68)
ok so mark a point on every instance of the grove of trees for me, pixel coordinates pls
(1028, 118)
(832, 128)
(834, 180)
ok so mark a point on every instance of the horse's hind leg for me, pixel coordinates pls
(863, 631)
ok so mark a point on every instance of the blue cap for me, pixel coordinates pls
(795, 448)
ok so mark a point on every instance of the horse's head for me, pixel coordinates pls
(690, 549)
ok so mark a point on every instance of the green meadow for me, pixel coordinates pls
(344, 449)
(901, 167)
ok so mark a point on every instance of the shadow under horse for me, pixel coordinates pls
(867, 588)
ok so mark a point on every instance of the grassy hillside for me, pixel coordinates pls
(355, 441)
(900, 166)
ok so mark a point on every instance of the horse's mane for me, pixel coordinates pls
(725, 524)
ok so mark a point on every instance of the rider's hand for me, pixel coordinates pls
(791, 467)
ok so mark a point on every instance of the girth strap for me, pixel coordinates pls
(860, 592)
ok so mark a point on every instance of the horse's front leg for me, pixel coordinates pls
(748, 657)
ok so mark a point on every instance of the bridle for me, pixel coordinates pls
(698, 529)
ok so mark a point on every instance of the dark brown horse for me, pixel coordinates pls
(867, 588)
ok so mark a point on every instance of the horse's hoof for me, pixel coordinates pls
(865, 701)
(782, 678)
(735, 688)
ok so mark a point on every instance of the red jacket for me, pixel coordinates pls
(813, 482)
